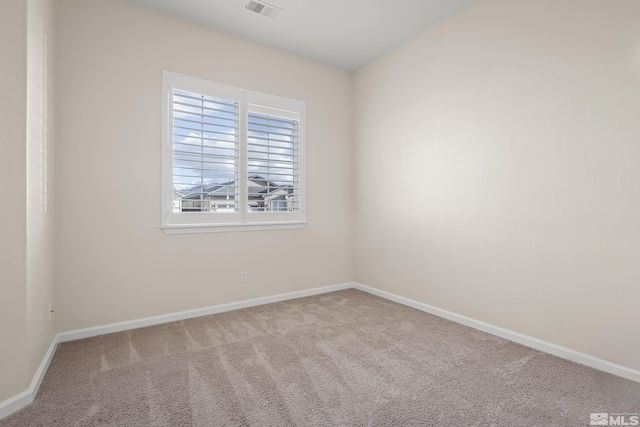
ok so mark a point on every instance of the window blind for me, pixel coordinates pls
(205, 153)
(272, 163)
(233, 159)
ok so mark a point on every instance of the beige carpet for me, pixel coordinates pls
(344, 358)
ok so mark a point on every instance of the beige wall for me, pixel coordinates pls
(13, 247)
(506, 137)
(40, 148)
(113, 262)
(26, 222)
(510, 135)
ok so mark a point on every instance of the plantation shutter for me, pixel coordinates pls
(232, 159)
(273, 160)
(205, 153)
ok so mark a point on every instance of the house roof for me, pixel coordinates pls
(259, 186)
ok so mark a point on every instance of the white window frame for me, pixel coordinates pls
(243, 220)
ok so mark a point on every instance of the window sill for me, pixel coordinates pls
(225, 228)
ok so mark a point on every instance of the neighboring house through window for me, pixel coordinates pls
(232, 158)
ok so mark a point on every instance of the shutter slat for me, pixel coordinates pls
(217, 147)
(265, 148)
(182, 119)
(213, 163)
(258, 117)
(274, 128)
(266, 138)
(261, 160)
(196, 97)
(203, 115)
(232, 121)
(204, 130)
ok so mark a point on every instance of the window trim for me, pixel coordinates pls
(243, 220)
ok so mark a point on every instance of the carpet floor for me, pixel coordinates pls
(345, 358)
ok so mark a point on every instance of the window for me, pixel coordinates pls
(233, 159)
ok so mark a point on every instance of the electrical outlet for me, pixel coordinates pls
(244, 277)
(39, 327)
(50, 310)
(392, 271)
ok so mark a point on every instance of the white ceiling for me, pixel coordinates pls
(344, 33)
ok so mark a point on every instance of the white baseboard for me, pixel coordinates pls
(21, 400)
(189, 314)
(15, 403)
(547, 347)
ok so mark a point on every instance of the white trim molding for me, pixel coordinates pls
(15, 403)
(189, 314)
(535, 343)
(196, 229)
(21, 400)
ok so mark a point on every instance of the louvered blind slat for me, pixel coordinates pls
(205, 153)
(273, 163)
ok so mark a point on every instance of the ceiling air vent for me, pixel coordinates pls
(263, 8)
